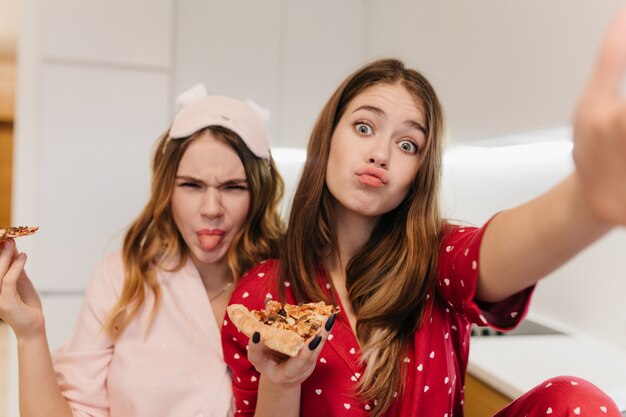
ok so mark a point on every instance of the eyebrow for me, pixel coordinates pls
(381, 113)
(233, 181)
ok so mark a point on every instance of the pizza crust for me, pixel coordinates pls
(280, 340)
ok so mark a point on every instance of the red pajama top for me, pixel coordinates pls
(436, 358)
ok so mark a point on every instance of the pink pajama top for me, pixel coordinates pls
(177, 369)
(436, 358)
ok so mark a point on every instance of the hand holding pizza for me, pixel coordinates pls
(20, 306)
(600, 130)
(286, 370)
(285, 340)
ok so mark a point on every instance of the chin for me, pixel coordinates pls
(367, 210)
(210, 257)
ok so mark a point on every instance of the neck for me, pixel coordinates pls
(214, 275)
(352, 232)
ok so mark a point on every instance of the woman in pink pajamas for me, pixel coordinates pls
(147, 342)
(365, 233)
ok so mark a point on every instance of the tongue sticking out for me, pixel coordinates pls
(210, 242)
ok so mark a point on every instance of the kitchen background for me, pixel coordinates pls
(96, 83)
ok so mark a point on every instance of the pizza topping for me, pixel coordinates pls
(283, 327)
(17, 231)
(305, 319)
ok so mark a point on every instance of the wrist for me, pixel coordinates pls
(283, 387)
(33, 336)
(593, 208)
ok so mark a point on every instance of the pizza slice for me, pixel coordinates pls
(283, 327)
(17, 231)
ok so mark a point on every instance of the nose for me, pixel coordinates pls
(378, 154)
(212, 204)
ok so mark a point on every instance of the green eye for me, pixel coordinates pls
(364, 129)
(408, 146)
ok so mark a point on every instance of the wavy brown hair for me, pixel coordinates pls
(153, 240)
(388, 279)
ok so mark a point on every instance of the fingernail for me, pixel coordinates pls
(330, 323)
(256, 337)
(315, 342)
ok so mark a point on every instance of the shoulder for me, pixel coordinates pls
(460, 239)
(256, 285)
(455, 231)
(111, 261)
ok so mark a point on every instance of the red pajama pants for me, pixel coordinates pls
(560, 397)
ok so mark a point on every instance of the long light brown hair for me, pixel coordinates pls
(388, 279)
(153, 240)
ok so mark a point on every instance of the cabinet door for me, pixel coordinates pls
(323, 43)
(289, 61)
(98, 127)
(6, 157)
(481, 400)
(130, 34)
(7, 96)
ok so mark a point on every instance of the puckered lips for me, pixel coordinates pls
(210, 238)
(372, 176)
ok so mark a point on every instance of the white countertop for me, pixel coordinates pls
(513, 364)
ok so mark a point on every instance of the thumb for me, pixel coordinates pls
(27, 291)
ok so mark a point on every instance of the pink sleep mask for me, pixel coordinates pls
(244, 118)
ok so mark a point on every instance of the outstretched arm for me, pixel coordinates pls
(524, 244)
(20, 308)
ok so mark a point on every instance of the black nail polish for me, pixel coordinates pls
(330, 322)
(256, 337)
(315, 342)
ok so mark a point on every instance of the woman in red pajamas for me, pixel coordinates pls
(365, 234)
